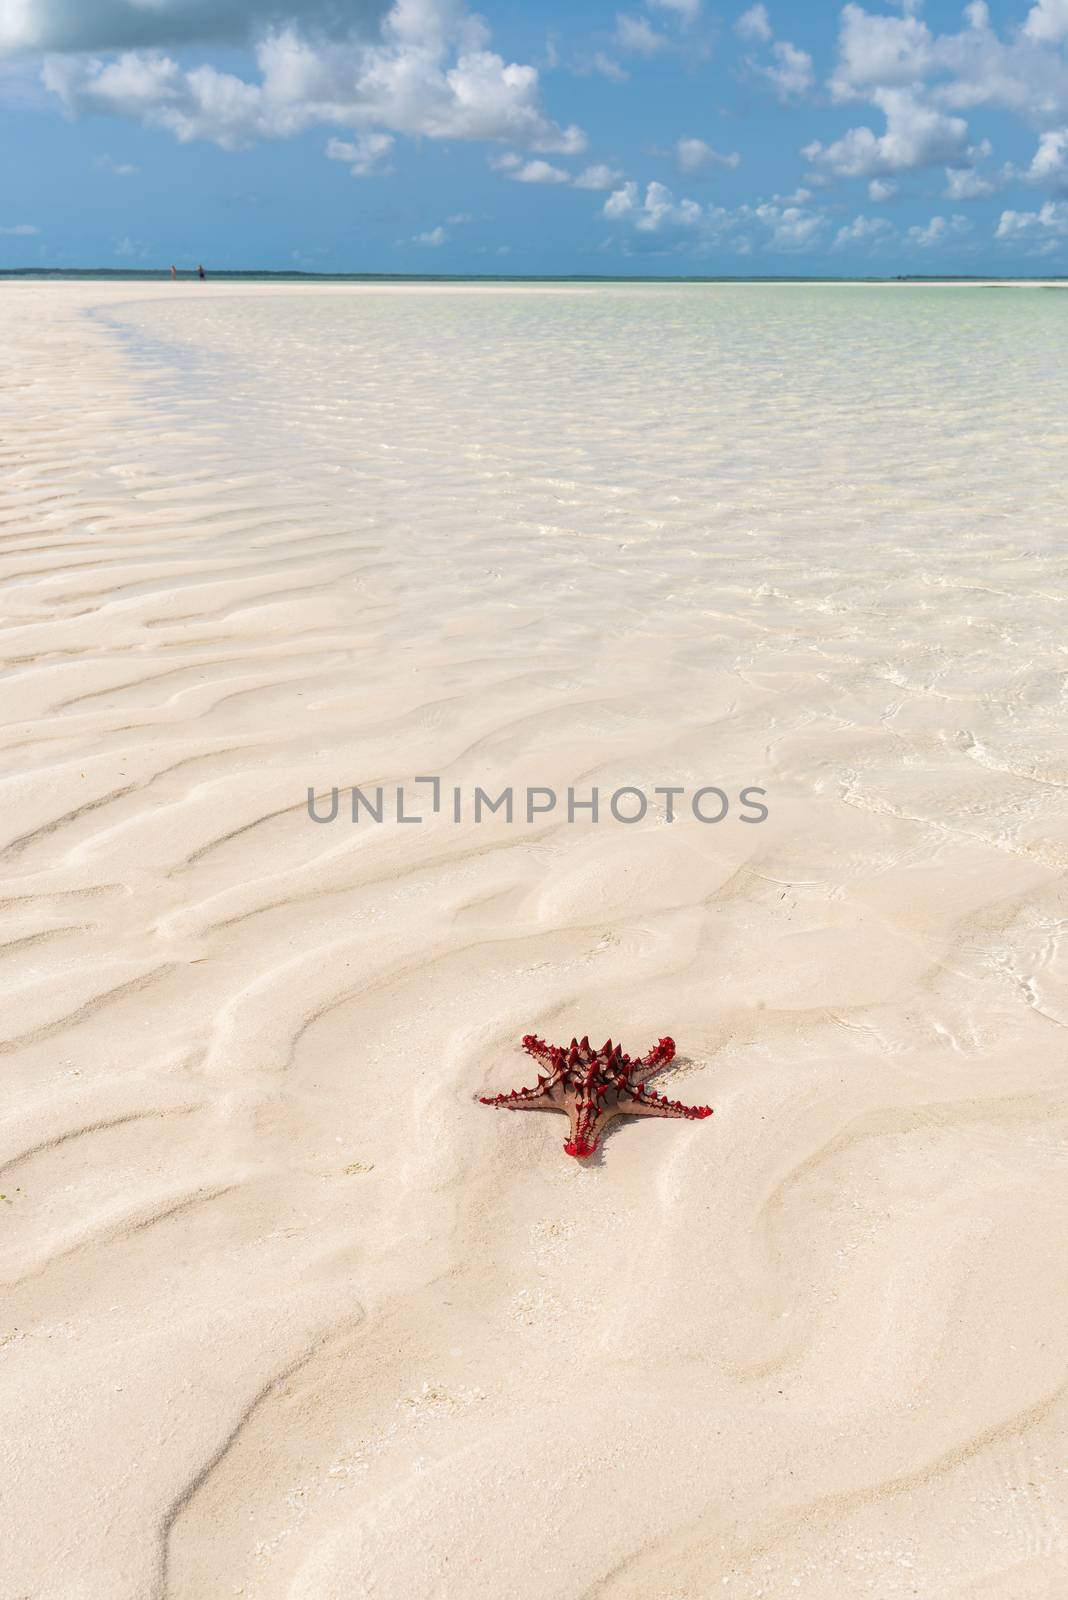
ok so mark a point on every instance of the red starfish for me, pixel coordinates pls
(593, 1086)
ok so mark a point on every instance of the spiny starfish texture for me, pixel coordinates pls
(593, 1086)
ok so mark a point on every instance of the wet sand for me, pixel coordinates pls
(286, 1313)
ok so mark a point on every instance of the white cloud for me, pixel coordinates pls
(363, 154)
(694, 155)
(791, 229)
(539, 172)
(660, 208)
(657, 210)
(754, 24)
(971, 67)
(117, 169)
(962, 183)
(939, 231)
(599, 62)
(428, 73)
(916, 135)
(792, 72)
(72, 25)
(623, 202)
(773, 226)
(432, 239)
(1048, 22)
(371, 72)
(606, 66)
(686, 10)
(862, 230)
(1050, 221)
(132, 249)
(876, 51)
(638, 34)
(1049, 164)
(598, 176)
(20, 230)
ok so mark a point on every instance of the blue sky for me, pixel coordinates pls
(639, 137)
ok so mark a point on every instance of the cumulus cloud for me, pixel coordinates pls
(754, 24)
(694, 155)
(971, 67)
(774, 225)
(371, 72)
(432, 239)
(622, 202)
(921, 80)
(20, 230)
(862, 230)
(938, 231)
(639, 35)
(653, 212)
(599, 176)
(608, 68)
(1049, 222)
(1049, 164)
(686, 10)
(917, 135)
(117, 169)
(1047, 21)
(963, 183)
(364, 154)
(428, 73)
(876, 51)
(790, 71)
(790, 229)
(583, 66)
(73, 25)
(539, 171)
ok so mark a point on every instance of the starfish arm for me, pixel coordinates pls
(538, 1099)
(649, 1064)
(538, 1049)
(589, 1118)
(640, 1102)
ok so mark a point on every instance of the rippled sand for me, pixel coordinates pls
(286, 1312)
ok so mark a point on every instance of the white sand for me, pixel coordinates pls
(286, 1313)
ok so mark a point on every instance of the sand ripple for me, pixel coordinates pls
(288, 1315)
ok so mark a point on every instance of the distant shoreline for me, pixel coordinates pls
(133, 275)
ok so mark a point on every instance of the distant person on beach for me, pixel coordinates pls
(174, 273)
(201, 274)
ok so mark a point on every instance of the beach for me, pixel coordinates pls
(287, 1313)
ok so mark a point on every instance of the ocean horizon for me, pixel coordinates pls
(266, 275)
